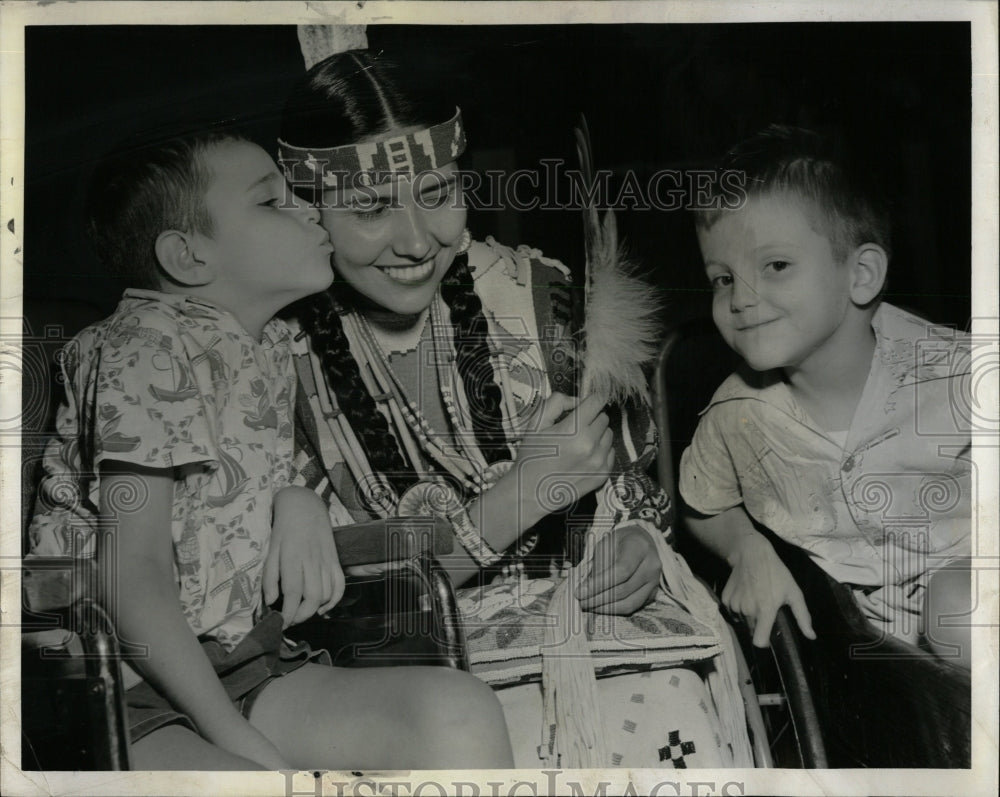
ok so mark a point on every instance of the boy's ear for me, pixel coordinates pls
(869, 265)
(176, 253)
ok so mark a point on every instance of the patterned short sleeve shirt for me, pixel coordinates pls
(174, 382)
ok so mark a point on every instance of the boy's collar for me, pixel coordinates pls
(898, 335)
(274, 330)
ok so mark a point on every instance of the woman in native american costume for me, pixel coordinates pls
(435, 378)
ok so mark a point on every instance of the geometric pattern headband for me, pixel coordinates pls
(373, 162)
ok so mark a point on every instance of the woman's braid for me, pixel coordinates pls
(473, 359)
(321, 321)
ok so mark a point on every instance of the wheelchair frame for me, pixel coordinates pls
(783, 687)
(892, 686)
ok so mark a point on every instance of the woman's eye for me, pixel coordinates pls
(370, 212)
(721, 281)
(435, 199)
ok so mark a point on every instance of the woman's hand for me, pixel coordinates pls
(567, 455)
(759, 585)
(571, 452)
(302, 558)
(624, 573)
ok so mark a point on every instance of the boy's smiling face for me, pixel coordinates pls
(780, 297)
(263, 256)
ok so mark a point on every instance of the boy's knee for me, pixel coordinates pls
(461, 721)
(457, 692)
(949, 590)
(947, 608)
(457, 704)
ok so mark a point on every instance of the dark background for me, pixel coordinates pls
(656, 96)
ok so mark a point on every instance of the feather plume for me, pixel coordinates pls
(620, 315)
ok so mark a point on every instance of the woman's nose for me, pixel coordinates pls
(412, 237)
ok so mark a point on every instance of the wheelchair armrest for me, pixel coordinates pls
(408, 615)
(54, 583)
(56, 593)
(392, 540)
(881, 701)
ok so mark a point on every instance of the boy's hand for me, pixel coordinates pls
(759, 585)
(302, 558)
(624, 573)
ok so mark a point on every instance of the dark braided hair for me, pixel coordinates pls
(320, 319)
(352, 97)
(473, 359)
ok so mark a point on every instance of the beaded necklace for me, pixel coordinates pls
(467, 467)
(463, 462)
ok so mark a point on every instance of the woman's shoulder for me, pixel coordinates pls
(523, 265)
(522, 283)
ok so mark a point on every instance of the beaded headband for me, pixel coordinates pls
(373, 162)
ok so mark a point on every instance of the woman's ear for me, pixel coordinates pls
(177, 256)
(869, 265)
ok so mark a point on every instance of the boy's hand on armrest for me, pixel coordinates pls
(760, 584)
(302, 560)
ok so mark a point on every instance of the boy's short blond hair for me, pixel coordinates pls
(779, 158)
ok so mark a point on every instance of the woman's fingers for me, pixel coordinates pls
(587, 411)
(312, 590)
(762, 625)
(291, 594)
(624, 574)
(337, 581)
(621, 597)
(555, 406)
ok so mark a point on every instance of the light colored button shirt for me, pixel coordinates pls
(882, 510)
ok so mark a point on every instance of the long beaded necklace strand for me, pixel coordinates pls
(412, 428)
(388, 385)
(382, 499)
(375, 379)
(451, 382)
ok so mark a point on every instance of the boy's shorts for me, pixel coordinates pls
(259, 658)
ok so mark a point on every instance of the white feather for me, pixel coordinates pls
(620, 322)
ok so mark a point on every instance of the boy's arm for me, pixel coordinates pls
(759, 584)
(302, 562)
(142, 597)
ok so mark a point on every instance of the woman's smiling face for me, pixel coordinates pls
(394, 242)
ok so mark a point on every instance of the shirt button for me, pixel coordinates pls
(848, 464)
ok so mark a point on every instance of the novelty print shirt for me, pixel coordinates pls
(881, 509)
(173, 382)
